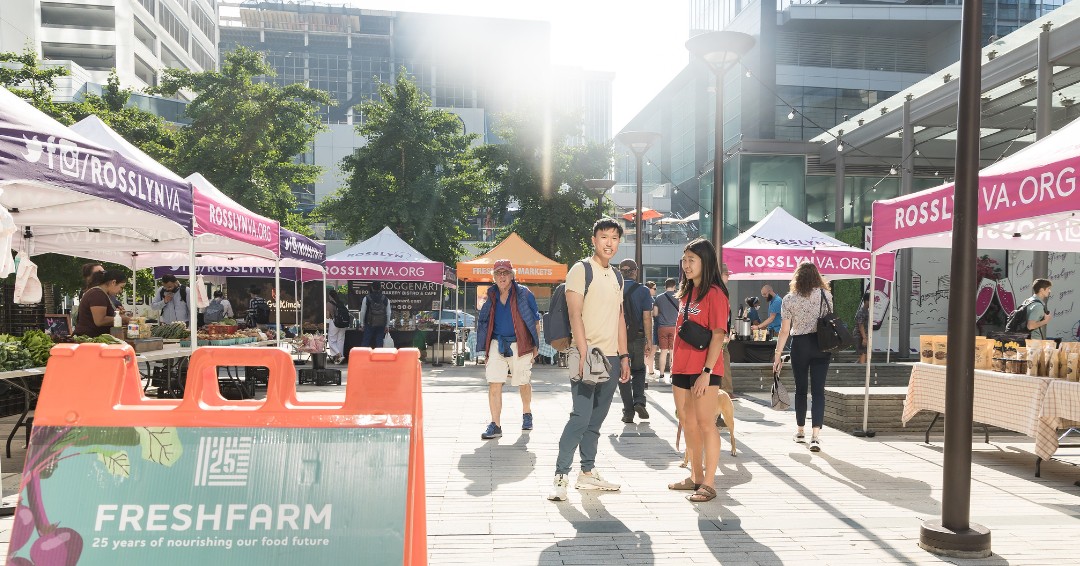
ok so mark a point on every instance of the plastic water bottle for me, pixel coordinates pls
(117, 322)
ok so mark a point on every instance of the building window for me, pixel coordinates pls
(150, 6)
(203, 22)
(173, 26)
(202, 58)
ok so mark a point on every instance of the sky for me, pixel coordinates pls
(641, 41)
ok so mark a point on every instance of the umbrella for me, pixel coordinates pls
(646, 214)
(671, 221)
(693, 217)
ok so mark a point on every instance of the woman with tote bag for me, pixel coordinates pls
(800, 311)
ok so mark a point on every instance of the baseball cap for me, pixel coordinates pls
(627, 265)
(502, 265)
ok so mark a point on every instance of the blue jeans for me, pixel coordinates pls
(582, 431)
(373, 337)
(809, 363)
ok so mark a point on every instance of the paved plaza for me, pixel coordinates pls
(859, 501)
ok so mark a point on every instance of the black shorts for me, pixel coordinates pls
(686, 380)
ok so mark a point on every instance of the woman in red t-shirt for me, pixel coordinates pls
(695, 374)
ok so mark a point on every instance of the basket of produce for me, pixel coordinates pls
(219, 329)
(171, 331)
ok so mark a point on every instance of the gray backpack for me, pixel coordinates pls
(215, 311)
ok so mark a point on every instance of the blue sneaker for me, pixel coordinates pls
(493, 431)
(526, 421)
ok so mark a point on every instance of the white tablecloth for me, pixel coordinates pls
(1019, 403)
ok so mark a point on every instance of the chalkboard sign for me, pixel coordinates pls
(58, 325)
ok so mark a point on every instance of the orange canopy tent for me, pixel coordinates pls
(530, 266)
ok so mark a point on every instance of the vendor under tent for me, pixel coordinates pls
(1027, 201)
(386, 257)
(778, 243)
(220, 225)
(63, 187)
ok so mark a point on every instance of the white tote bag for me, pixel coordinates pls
(27, 285)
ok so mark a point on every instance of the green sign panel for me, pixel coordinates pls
(182, 496)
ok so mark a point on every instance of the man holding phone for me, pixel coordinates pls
(172, 300)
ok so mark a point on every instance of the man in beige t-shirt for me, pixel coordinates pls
(596, 320)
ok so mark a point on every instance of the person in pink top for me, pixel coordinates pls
(696, 372)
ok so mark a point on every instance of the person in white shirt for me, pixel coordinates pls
(172, 300)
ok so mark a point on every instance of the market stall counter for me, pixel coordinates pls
(751, 351)
(1033, 406)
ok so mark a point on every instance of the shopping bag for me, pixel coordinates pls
(781, 399)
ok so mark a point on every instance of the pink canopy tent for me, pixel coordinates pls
(1028, 201)
(778, 243)
(384, 257)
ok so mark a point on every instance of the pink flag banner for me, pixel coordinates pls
(217, 214)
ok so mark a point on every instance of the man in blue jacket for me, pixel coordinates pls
(507, 326)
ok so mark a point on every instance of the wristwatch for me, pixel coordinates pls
(706, 370)
(621, 356)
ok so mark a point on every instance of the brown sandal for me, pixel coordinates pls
(702, 494)
(685, 485)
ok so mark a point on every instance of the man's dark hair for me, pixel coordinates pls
(88, 269)
(218, 295)
(376, 286)
(253, 290)
(168, 279)
(607, 223)
(1040, 284)
(670, 282)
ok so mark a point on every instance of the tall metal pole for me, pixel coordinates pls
(640, 155)
(903, 268)
(955, 535)
(1044, 90)
(838, 193)
(718, 168)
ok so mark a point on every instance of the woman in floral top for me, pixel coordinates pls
(695, 374)
(800, 310)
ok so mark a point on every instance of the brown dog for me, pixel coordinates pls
(724, 407)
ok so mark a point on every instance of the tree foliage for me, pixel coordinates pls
(539, 171)
(245, 133)
(23, 74)
(415, 174)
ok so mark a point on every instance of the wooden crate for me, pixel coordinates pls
(146, 344)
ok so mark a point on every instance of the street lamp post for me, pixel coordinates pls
(718, 49)
(639, 143)
(599, 187)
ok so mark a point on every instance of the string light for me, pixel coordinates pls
(892, 170)
(791, 115)
(748, 73)
(840, 146)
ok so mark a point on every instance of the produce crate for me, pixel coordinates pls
(19, 319)
(216, 329)
(146, 344)
(320, 376)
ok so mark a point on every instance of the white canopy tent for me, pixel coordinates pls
(774, 247)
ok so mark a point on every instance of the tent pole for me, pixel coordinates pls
(193, 317)
(277, 301)
(438, 330)
(325, 330)
(134, 283)
(864, 431)
(299, 310)
(888, 314)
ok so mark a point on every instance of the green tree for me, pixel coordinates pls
(415, 174)
(245, 133)
(540, 171)
(145, 130)
(23, 74)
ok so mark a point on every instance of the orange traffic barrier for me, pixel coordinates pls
(277, 480)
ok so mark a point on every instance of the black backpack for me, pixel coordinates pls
(635, 324)
(342, 318)
(1018, 319)
(376, 311)
(557, 319)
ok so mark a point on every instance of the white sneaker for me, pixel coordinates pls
(558, 491)
(815, 445)
(595, 481)
(665, 379)
(799, 437)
